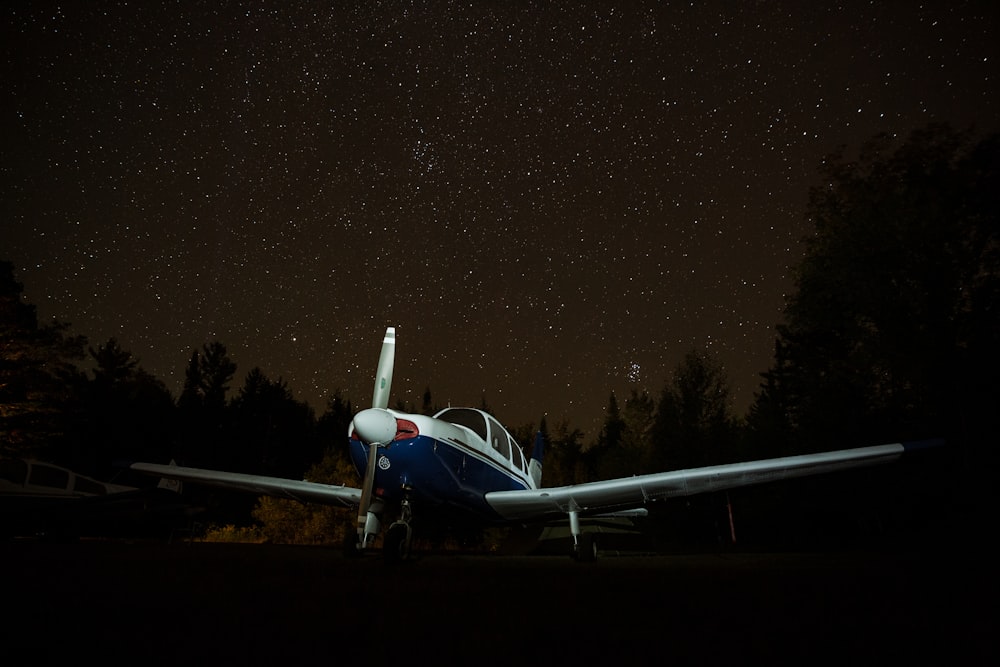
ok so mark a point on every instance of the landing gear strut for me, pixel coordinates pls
(584, 545)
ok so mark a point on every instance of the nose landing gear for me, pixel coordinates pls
(396, 546)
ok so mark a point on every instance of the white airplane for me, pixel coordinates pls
(462, 463)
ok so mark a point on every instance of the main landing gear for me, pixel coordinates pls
(584, 544)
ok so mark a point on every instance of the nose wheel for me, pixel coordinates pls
(396, 546)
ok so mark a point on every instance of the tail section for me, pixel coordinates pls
(535, 464)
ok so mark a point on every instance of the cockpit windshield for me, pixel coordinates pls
(472, 419)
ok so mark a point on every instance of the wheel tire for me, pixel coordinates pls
(586, 549)
(394, 546)
(352, 548)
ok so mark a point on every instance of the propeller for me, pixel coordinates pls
(383, 374)
(376, 427)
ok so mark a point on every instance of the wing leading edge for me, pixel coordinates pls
(633, 492)
(266, 486)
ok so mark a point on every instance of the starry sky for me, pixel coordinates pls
(549, 201)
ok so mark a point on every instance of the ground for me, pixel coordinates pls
(150, 603)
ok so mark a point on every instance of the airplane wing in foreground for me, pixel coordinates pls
(633, 492)
(278, 487)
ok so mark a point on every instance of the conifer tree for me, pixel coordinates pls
(37, 373)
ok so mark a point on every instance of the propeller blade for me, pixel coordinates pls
(366, 493)
(383, 375)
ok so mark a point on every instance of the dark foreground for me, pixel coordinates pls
(183, 604)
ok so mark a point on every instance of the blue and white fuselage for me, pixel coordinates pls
(448, 461)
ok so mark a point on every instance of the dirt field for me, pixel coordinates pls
(183, 604)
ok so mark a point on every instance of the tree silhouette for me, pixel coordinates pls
(638, 416)
(563, 462)
(893, 330)
(273, 434)
(114, 365)
(768, 429)
(693, 424)
(37, 374)
(191, 395)
(217, 371)
(128, 413)
(203, 416)
(334, 422)
(428, 408)
(606, 455)
(624, 444)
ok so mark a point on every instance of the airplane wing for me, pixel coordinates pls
(634, 492)
(265, 486)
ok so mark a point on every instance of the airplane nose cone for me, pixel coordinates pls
(375, 425)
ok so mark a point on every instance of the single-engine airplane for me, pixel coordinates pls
(463, 462)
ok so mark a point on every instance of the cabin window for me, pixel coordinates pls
(42, 475)
(518, 455)
(498, 438)
(84, 485)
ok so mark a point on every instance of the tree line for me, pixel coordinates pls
(891, 333)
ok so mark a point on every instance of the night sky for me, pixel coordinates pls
(550, 201)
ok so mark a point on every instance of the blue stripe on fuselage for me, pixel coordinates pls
(448, 474)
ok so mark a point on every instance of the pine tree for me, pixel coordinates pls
(693, 424)
(37, 374)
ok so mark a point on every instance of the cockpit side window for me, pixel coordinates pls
(43, 475)
(13, 470)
